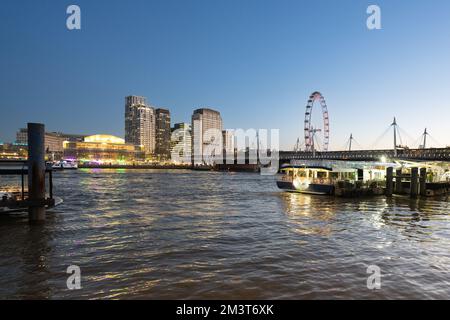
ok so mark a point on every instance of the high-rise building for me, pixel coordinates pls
(180, 145)
(206, 135)
(162, 148)
(140, 123)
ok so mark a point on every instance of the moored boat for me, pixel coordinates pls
(65, 165)
(311, 180)
(339, 178)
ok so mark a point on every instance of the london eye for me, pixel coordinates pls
(312, 142)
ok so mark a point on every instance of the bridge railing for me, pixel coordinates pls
(438, 154)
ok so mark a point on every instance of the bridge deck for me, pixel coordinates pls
(441, 154)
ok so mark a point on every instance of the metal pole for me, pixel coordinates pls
(350, 144)
(36, 172)
(394, 124)
(23, 181)
(50, 184)
(398, 181)
(414, 185)
(423, 181)
(389, 181)
(425, 139)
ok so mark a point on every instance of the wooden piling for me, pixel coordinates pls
(398, 181)
(414, 182)
(423, 182)
(36, 173)
(389, 181)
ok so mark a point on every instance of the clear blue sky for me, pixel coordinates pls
(256, 61)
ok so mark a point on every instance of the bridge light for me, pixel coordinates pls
(383, 159)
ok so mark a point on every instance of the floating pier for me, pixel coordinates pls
(370, 178)
(415, 183)
(34, 199)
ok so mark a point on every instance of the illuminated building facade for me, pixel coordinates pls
(140, 123)
(206, 133)
(53, 141)
(13, 151)
(103, 149)
(163, 131)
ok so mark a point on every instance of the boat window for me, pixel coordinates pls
(348, 175)
(321, 175)
(301, 174)
(334, 175)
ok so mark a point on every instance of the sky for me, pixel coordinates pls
(255, 61)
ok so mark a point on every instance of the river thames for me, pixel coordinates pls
(162, 234)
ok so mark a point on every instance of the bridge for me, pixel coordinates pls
(432, 154)
(314, 150)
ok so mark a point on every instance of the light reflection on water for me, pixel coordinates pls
(181, 234)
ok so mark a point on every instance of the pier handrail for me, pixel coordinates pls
(10, 167)
(12, 161)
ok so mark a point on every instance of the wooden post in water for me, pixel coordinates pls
(423, 182)
(414, 182)
(398, 181)
(36, 172)
(389, 181)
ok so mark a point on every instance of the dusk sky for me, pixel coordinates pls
(255, 61)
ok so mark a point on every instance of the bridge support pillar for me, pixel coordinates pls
(389, 181)
(414, 182)
(398, 181)
(423, 182)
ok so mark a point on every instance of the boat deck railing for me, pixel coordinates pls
(337, 182)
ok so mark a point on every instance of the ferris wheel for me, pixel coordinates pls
(311, 130)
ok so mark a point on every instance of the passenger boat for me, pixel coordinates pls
(311, 180)
(65, 165)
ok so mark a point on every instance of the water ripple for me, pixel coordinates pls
(147, 234)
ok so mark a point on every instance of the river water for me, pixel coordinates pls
(154, 234)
